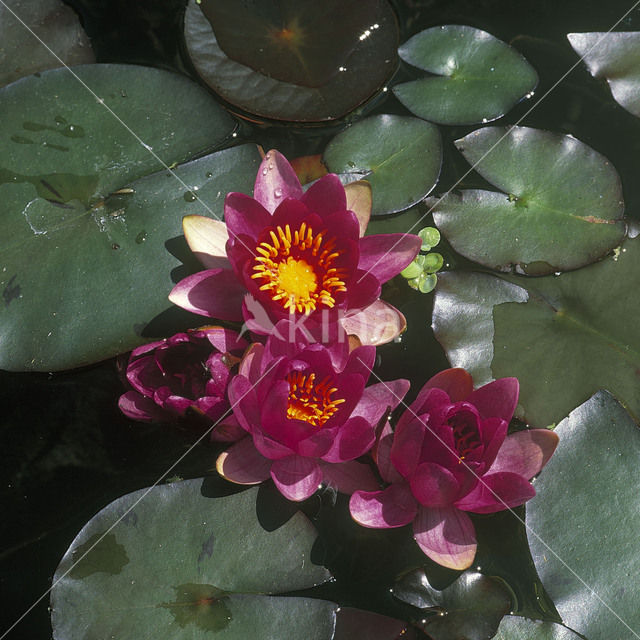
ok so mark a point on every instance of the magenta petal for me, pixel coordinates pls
(386, 255)
(433, 485)
(269, 448)
(326, 196)
(496, 399)
(407, 446)
(353, 439)
(214, 293)
(393, 507)
(382, 455)
(245, 216)
(138, 407)
(364, 289)
(376, 324)
(378, 399)
(497, 492)
(275, 181)
(244, 403)
(348, 477)
(525, 452)
(446, 535)
(242, 463)
(297, 478)
(457, 383)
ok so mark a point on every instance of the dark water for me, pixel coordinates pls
(67, 451)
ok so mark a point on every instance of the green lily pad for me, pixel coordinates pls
(304, 62)
(173, 563)
(478, 78)
(84, 269)
(54, 23)
(514, 628)
(561, 206)
(367, 625)
(471, 607)
(563, 337)
(590, 565)
(400, 156)
(616, 58)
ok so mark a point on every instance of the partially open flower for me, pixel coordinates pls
(296, 254)
(308, 414)
(449, 455)
(188, 371)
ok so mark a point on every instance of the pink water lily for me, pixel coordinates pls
(307, 413)
(450, 455)
(298, 255)
(188, 372)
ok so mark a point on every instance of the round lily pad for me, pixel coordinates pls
(560, 207)
(303, 62)
(590, 565)
(477, 78)
(400, 156)
(89, 256)
(515, 628)
(614, 56)
(174, 563)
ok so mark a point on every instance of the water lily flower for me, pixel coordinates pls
(188, 371)
(307, 413)
(298, 255)
(450, 455)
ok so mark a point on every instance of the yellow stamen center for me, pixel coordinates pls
(309, 401)
(296, 269)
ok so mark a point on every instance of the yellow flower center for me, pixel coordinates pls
(309, 401)
(296, 269)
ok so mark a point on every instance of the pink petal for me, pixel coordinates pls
(360, 201)
(376, 324)
(497, 492)
(353, 439)
(244, 402)
(138, 407)
(393, 507)
(525, 452)
(269, 448)
(348, 477)
(380, 398)
(407, 446)
(245, 216)
(225, 340)
(386, 254)
(296, 477)
(457, 383)
(382, 456)
(363, 290)
(227, 431)
(446, 535)
(275, 181)
(207, 239)
(242, 463)
(433, 485)
(214, 293)
(496, 399)
(326, 196)
(250, 365)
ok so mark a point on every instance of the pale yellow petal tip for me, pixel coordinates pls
(459, 562)
(220, 464)
(360, 201)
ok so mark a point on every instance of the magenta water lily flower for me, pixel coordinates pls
(450, 455)
(297, 255)
(307, 413)
(188, 371)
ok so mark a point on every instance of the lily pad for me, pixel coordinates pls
(367, 625)
(303, 62)
(590, 566)
(400, 156)
(571, 333)
(614, 56)
(477, 78)
(56, 26)
(560, 208)
(515, 628)
(471, 607)
(169, 562)
(87, 253)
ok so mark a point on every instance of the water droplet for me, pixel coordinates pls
(115, 246)
(209, 174)
(492, 69)
(351, 163)
(189, 196)
(484, 121)
(557, 273)
(277, 193)
(141, 237)
(265, 171)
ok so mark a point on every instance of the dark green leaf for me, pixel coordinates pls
(563, 337)
(478, 77)
(584, 522)
(514, 628)
(169, 562)
(561, 206)
(366, 625)
(398, 155)
(293, 61)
